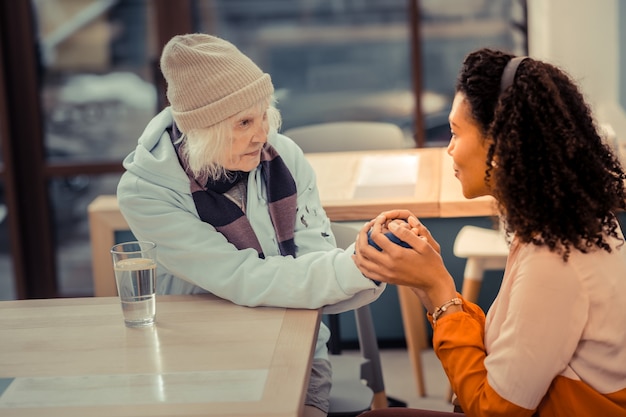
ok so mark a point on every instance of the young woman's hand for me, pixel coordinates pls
(420, 266)
(405, 219)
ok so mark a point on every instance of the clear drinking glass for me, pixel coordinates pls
(135, 274)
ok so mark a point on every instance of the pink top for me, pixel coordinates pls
(557, 318)
(552, 344)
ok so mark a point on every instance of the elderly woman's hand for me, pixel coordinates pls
(406, 219)
(420, 266)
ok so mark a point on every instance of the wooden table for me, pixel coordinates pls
(204, 357)
(345, 198)
(436, 192)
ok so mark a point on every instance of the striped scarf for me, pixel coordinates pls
(222, 213)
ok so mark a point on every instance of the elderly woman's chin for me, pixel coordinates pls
(246, 162)
(250, 162)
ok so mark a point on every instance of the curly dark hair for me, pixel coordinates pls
(557, 183)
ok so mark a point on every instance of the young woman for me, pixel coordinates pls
(554, 342)
(232, 205)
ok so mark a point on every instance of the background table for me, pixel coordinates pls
(205, 356)
(345, 199)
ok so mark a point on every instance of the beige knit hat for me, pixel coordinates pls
(209, 80)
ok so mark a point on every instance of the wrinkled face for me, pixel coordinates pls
(468, 149)
(249, 134)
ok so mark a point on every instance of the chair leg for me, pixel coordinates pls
(334, 343)
(471, 289)
(450, 394)
(414, 332)
(473, 278)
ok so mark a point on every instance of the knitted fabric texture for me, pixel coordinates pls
(210, 80)
(222, 213)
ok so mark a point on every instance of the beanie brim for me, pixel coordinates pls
(226, 107)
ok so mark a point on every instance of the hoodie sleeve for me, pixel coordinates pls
(313, 232)
(321, 275)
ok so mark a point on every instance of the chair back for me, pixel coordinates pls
(347, 136)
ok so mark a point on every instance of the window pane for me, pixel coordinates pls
(347, 60)
(7, 277)
(452, 29)
(70, 197)
(97, 63)
(329, 61)
(96, 67)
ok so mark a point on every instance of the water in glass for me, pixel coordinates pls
(135, 282)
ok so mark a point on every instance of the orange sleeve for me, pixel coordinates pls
(458, 341)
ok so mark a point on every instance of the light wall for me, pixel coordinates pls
(583, 37)
(622, 53)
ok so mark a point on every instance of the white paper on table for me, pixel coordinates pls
(387, 176)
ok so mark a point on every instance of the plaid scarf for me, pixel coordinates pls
(222, 213)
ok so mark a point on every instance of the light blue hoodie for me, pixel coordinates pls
(155, 198)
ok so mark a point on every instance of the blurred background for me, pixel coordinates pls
(80, 80)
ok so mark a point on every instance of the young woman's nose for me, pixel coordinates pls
(450, 146)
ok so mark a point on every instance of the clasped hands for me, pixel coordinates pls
(420, 266)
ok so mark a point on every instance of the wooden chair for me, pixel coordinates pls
(105, 225)
(485, 249)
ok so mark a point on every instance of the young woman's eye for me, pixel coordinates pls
(244, 122)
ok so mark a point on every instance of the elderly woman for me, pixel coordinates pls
(553, 341)
(232, 205)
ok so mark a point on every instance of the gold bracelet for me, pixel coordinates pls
(442, 308)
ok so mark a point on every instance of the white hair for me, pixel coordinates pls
(202, 148)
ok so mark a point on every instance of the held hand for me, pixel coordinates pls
(404, 218)
(386, 217)
(420, 266)
(420, 230)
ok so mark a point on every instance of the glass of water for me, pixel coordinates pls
(135, 274)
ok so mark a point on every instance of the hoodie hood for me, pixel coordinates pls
(154, 159)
